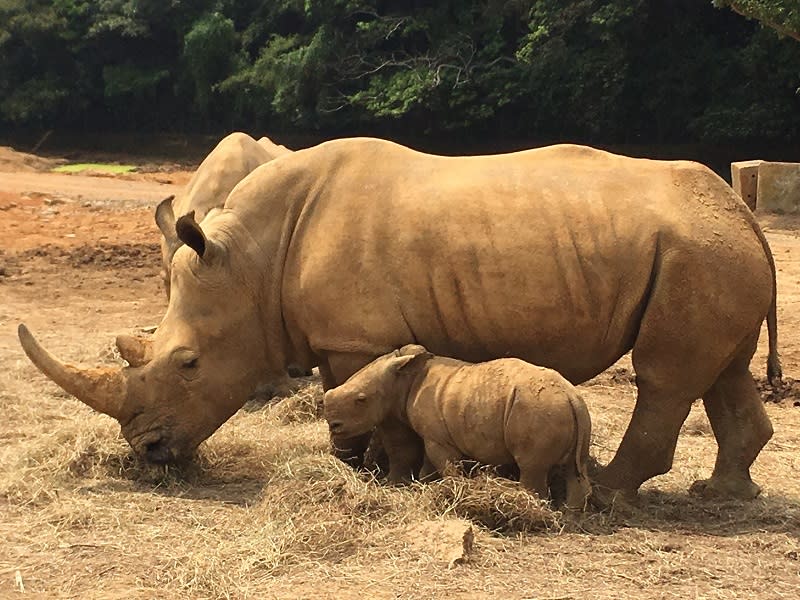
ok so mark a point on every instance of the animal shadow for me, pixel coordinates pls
(682, 512)
(201, 478)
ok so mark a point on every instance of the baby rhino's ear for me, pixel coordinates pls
(413, 350)
(402, 364)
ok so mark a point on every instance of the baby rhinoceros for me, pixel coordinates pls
(497, 413)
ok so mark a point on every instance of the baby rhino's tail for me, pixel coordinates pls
(578, 493)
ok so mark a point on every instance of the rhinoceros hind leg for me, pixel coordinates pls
(720, 487)
(685, 345)
(741, 427)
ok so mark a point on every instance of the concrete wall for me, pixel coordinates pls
(769, 187)
(778, 188)
(744, 180)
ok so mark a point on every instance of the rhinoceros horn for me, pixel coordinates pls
(136, 350)
(104, 389)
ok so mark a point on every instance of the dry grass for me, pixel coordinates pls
(303, 406)
(263, 500)
(266, 512)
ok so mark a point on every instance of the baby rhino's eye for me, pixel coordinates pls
(362, 397)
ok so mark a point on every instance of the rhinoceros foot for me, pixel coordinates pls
(725, 487)
(605, 497)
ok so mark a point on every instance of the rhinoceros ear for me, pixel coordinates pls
(404, 363)
(413, 350)
(189, 233)
(165, 217)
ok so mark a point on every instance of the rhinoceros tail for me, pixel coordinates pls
(583, 433)
(774, 369)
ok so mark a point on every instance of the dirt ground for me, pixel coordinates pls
(266, 513)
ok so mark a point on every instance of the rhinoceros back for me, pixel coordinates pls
(548, 254)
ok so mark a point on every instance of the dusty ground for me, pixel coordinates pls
(267, 513)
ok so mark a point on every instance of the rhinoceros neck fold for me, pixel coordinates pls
(104, 389)
(275, 206)
(260, 256)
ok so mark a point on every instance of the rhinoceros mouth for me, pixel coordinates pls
(158, 452)
(154, 446)
(343, 430)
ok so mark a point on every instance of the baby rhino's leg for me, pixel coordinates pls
(439, 455)
(428, 472)
(404, 449)
(538, 435)
(578, 488)
(534, 477)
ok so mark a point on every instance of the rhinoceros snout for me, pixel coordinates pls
(335, 426)
(158, 452)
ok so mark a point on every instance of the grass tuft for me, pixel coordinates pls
(96, 167)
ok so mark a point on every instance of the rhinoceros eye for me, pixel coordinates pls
(361, 398)
(185, 362)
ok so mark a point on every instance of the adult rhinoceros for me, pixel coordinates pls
(234, 157)
(564, 256)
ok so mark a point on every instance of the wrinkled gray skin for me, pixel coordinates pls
(501, 412)
(564, 256)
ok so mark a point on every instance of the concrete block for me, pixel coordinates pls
(744, 180)
(778, 188)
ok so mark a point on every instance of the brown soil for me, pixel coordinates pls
(267, 513)
(13, 160)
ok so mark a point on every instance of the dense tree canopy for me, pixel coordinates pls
(611, 70)
(781, 15)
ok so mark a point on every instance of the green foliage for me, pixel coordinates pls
(209, 52)
(129, 79)
(591, 70)
(579, 61)
(781, 15)
(33, 100)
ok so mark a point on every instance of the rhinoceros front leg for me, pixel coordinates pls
(648, 446)
(428, 472)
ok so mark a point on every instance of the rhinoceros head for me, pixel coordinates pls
(366, 398)
(208, 355)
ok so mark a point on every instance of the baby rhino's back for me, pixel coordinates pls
(494, 410)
